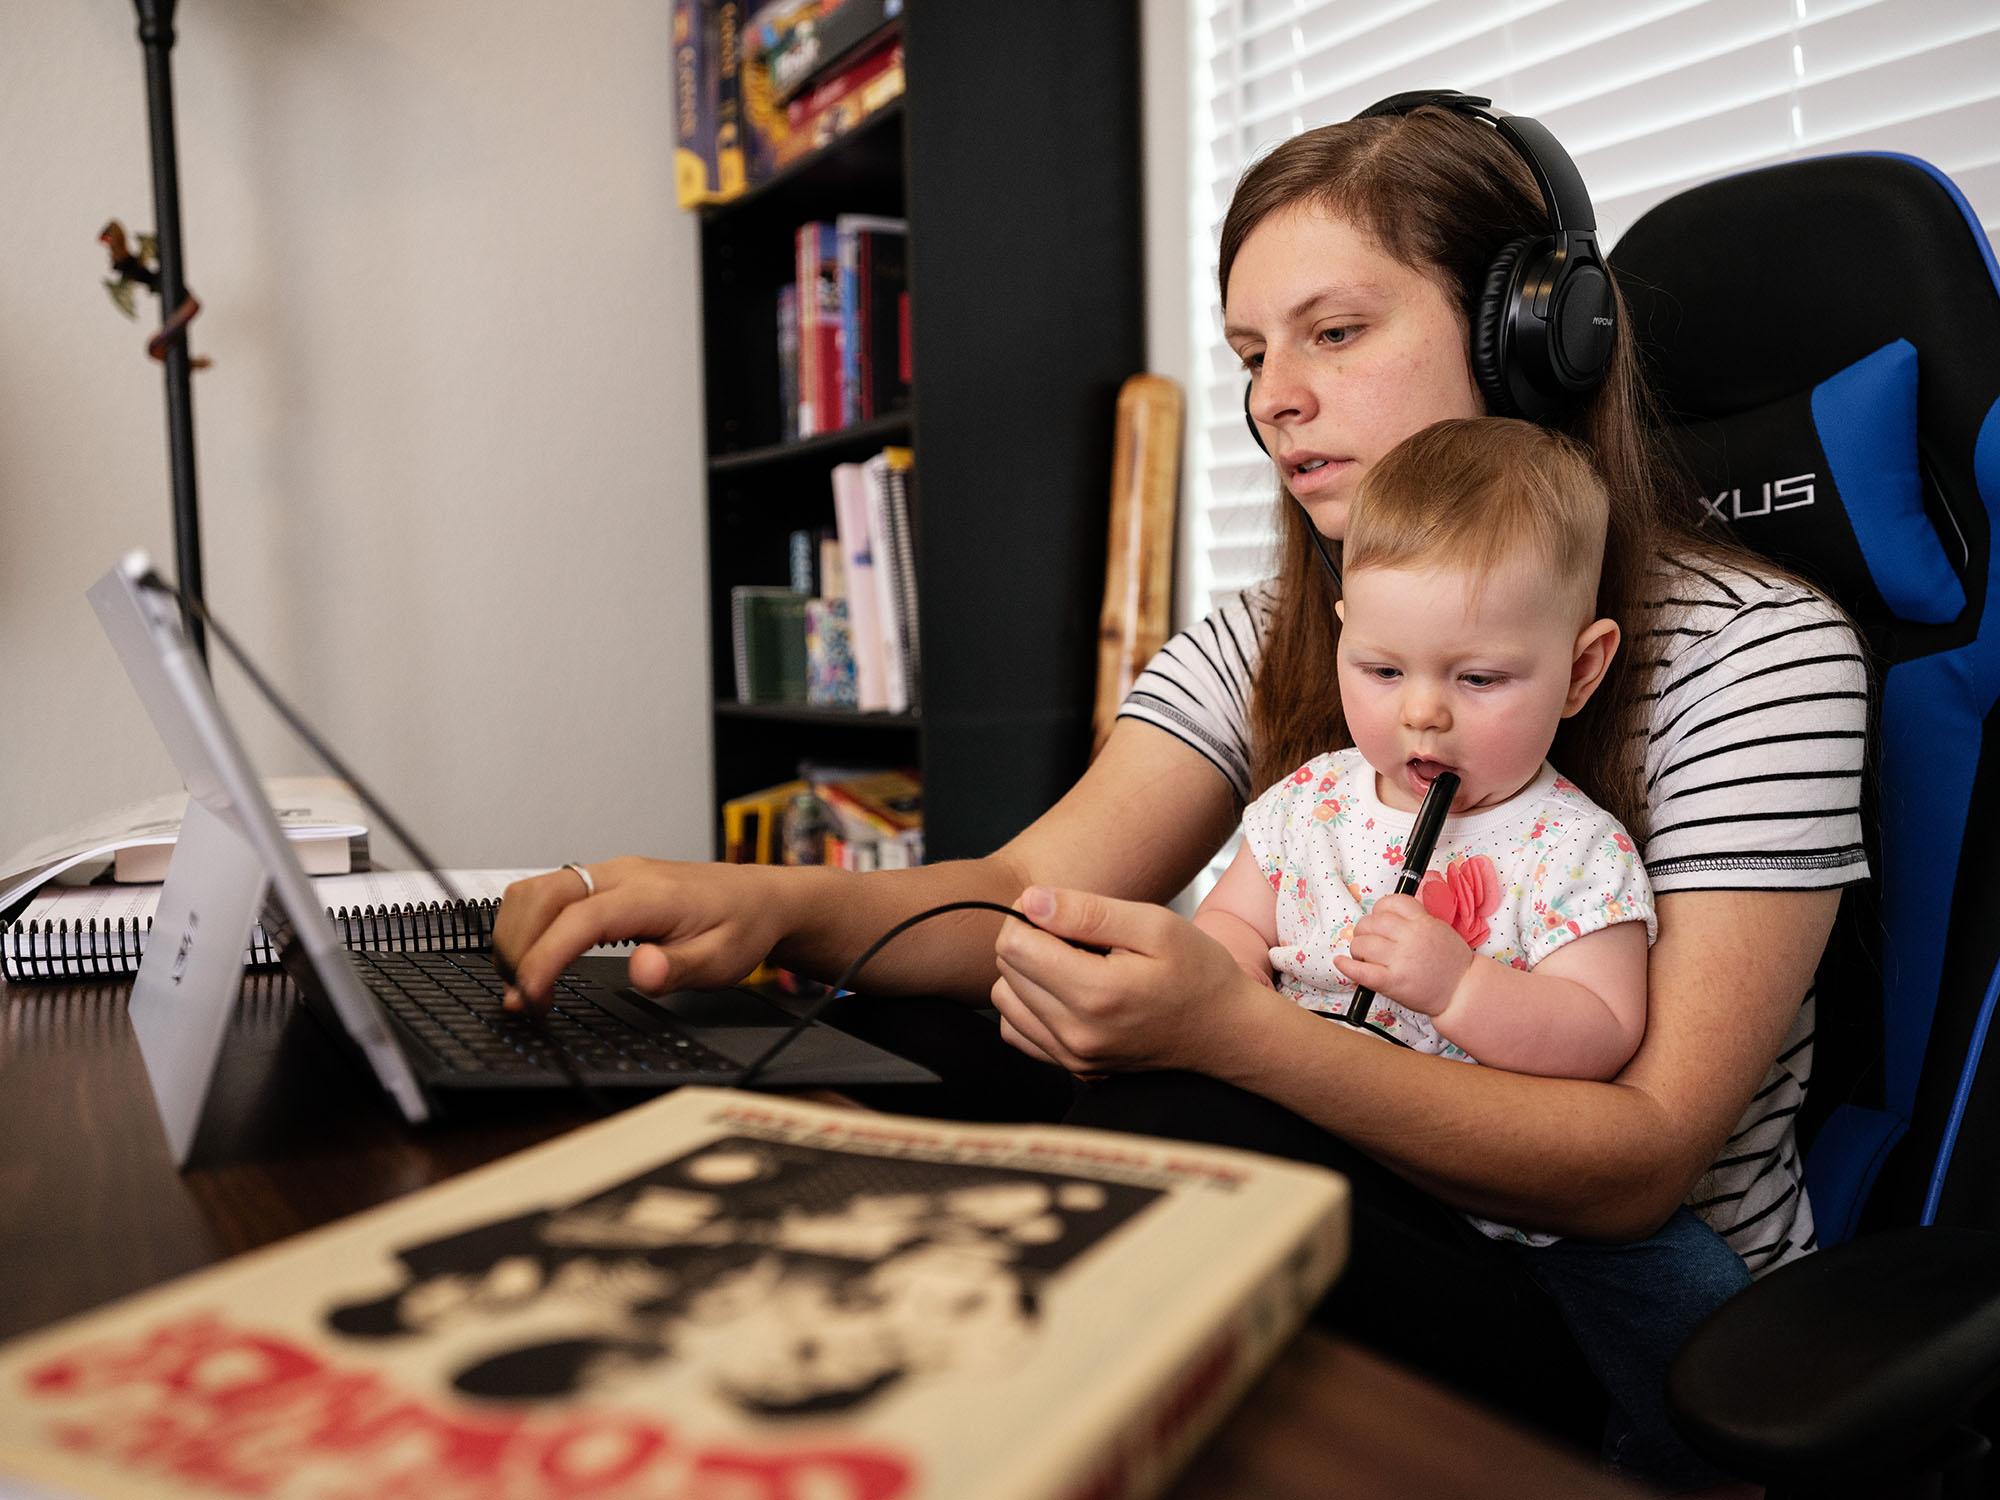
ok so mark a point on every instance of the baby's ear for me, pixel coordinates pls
(1340, 610)
(1596, 645)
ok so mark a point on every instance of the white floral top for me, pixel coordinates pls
(1516, 881)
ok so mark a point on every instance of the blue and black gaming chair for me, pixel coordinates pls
(1826, 335)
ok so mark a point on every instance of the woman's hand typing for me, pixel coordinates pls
(698, 925)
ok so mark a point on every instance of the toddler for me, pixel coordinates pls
(1469, 632)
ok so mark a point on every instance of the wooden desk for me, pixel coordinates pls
(93, 1209)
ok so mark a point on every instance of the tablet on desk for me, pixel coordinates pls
(427, 1024)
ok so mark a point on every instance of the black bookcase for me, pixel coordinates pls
(1015, 156)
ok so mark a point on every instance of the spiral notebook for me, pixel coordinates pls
(103, 929)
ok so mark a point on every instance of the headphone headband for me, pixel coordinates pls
(1561, 185)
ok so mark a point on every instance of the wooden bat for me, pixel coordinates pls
(1139, 566)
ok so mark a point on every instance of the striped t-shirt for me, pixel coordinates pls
(1758, 705)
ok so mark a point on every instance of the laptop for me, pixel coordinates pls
(428, 1026)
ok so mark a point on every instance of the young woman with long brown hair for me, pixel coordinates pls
(1353, 257)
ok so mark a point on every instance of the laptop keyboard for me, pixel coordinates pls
(451, 1001)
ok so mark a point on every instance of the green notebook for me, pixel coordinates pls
(769, 625)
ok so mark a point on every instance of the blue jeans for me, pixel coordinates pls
(1630, 1307)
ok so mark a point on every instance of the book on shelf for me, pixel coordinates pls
(788, 361)
(802, 548)
(711, 1293)
(319, 814)
(752, 96)
(792, 104)
(709, 160)
(768, 627)
(832, 577)
(843, 102)
(888, 475)
(817, 266)
(829, 654)
(751, 823)
(841, 340)
(876, 813)
(876, 686)
(67, 931)
(871, 250)
(876, 817)
(802, 38)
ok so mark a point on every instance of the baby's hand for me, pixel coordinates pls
(1402, 951)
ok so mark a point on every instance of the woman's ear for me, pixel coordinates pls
(1590, 659)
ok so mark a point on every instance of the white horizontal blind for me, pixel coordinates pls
(1648, 96)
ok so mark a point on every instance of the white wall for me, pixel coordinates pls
(1165, 45)
(449, 451)
(1165, 40)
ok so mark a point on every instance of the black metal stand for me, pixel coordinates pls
(156, 36)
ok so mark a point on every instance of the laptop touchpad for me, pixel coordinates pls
(714, 1008)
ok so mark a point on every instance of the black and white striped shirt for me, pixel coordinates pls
(1753, 757)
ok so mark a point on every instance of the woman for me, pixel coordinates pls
(1349, 260)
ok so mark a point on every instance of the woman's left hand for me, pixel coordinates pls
(1167, 995)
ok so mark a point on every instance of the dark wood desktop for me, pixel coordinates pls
(94, 1209)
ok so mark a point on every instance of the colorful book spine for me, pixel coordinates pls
(858, 562)
(708, 148)
(900, 547)
(730, 161)
(804, 559)
(795, 94)
(750, 823)
(870, 251)
(888, 620)
(877, 817)
(788, 361)
(818, 268)
(829, 655)
(842, 103)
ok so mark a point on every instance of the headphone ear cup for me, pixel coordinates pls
(1490, 321)
(1256, 436)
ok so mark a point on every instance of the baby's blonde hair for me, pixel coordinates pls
(1477, 493)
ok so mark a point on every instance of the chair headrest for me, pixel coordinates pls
(1830, 386)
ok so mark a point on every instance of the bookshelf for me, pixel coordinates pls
(1014, 155)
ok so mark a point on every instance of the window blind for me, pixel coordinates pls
(1648, 96)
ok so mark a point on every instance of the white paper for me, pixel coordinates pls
(306, 807)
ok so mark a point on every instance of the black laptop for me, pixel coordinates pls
(426, 1024)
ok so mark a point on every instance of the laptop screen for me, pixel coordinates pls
(231, 866)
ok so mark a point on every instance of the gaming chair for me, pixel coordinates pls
(1826, 337)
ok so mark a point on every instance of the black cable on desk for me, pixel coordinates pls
(846, 981)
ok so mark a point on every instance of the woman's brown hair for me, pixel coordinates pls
(1443, 194)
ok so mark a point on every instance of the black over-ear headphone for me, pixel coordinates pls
(1546, 318)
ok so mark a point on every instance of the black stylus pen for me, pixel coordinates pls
(1416, 858)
